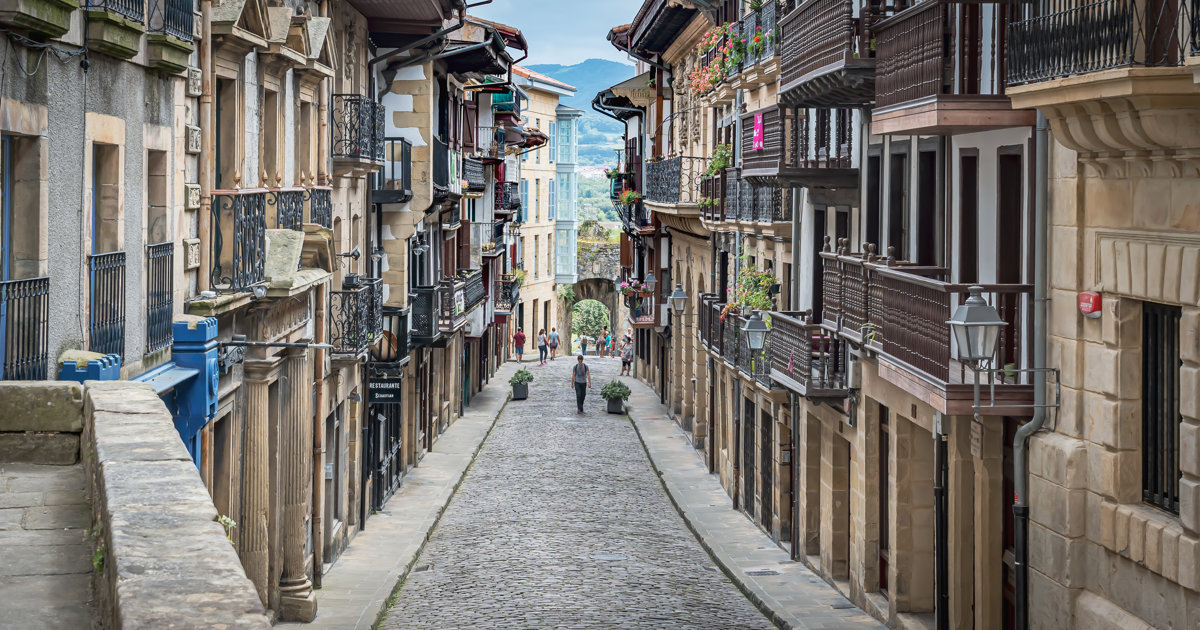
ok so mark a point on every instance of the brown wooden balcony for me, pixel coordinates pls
(932, 71)
(712, 197)
(899, 311)
(812, 148)
(805, 357)
(827, 58)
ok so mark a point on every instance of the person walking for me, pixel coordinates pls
(601, 347)
(553, 343)
(543, 352)
(581, 379)
(627, 359)
(583, 341)
(519, 344)
(608, 344)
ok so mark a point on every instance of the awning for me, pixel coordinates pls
(638, 90)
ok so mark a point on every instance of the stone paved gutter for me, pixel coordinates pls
(790, 594)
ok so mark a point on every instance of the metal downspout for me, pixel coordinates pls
(1020, 448)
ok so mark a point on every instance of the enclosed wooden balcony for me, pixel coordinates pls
(827, 56)
(782, 148)
(936, 74)
(805, 357)
(899, 311)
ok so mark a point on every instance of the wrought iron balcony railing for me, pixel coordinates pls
(635, 216)
(473, 291)
(761, 24)
(289, 208)
(508, 292)
(675, 180)
(238, 242)
(133, 10)
(320, 205)
(805, 357)
(173, 17)
(425, 312)
(452, 304)
(473, 173)
(358, 127)
(493, 244)
(394, 180)
(508, 197)
(1058, 38)
(355, 315)
(490, 143)
(24, 329)
(106, 297)
(160, 300)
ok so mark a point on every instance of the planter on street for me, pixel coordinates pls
(520, 392)
(616, 405)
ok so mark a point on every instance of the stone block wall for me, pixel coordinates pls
(40, 422)
(166, 561)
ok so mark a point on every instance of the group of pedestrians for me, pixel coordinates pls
(581, 376)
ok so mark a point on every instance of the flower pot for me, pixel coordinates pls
(520, 392)
(616, 405)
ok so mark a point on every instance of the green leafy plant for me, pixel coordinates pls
(615, 390)
(756, 5)
(519, 276)
(751, 292)
(97, 533)
(566, 294)
(612, 173)
(720, 159)
(522, 377)
(869, 332)
(589, 317)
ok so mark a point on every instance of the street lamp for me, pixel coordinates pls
(650, 281)
(677, 297)
(976, 328)
(755, 330)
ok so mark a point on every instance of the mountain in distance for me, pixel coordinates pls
(599, 135)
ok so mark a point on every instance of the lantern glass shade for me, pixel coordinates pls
(755, 330)
(650, 281)
(678, 298)
(976, 328)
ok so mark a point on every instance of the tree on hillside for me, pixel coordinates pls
(588, 317)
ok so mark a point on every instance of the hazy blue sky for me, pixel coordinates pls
(563, 31)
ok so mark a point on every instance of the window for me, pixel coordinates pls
(537, 153)
(537, 248)
(553, 139)
(537, 200)
(550, 254)
(552, 200)
(1160, 406)
(524, 199)
(270, 139)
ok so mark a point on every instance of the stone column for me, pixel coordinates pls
(255, 483)
(988, 522)
(296, 599)
(835, 504)
(808, 458)
(963, 519)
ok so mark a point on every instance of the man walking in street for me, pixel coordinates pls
(553, 343)
(519, 344)
(581, 378)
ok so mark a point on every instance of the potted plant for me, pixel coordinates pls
(630, 197)
(520, 384)
(612, 173)
(615, 393)
(721, 156)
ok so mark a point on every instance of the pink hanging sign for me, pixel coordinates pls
(759, 142)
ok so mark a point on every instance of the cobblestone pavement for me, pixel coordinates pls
(561, 523)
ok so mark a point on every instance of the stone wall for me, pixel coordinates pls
(166, 561)
(40, 422)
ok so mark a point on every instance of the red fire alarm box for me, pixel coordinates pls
(1090, 304)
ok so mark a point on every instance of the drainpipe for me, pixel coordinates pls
(1020, 475)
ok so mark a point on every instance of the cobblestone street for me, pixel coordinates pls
(562, 523)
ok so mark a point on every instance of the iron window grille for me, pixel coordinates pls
(133, 10)
(1160, 406)
(172, 17)
(160, 288)
(106, 323)
(24, 329)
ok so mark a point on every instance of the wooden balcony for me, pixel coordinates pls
(805, 357)
(812, 148)
(827, 59)
(937, 75)
(899, 311)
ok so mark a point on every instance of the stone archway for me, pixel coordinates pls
(597, 267)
